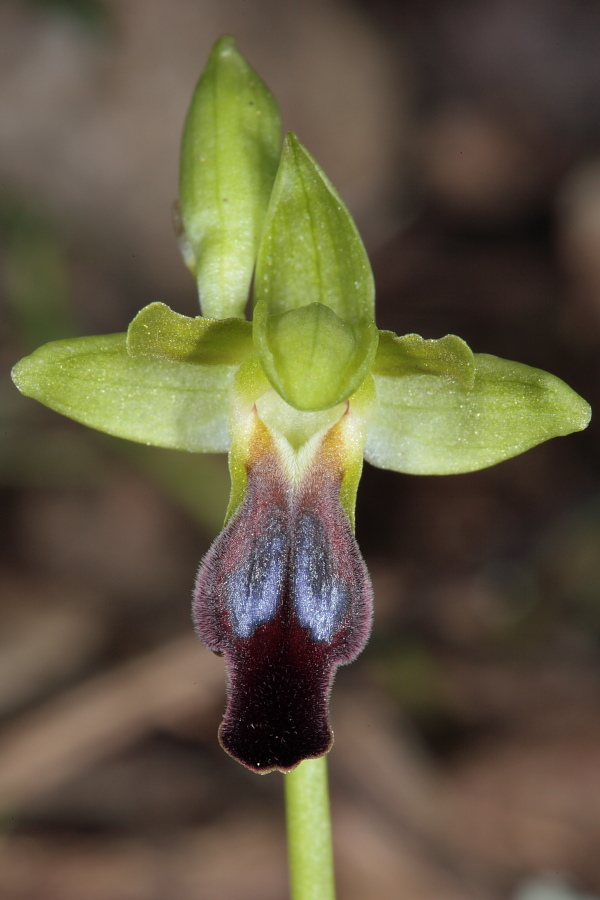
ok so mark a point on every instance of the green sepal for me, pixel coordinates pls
(159, 332)
(152, 401)
(431, 425)
(229, 157)
(312, 358)
(310, 251)
(411, 354)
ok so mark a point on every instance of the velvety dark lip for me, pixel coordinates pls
(285, 596)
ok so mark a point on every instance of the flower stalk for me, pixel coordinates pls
(310, 856)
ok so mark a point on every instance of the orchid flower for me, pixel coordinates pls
(297, 397)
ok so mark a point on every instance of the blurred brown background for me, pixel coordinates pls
(465, 137)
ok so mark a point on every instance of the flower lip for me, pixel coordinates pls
(285, 596)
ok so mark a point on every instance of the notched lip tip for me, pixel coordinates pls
(267, 769)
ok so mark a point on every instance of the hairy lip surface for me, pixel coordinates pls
(284, 595)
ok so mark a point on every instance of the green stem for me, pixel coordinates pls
(309, 831)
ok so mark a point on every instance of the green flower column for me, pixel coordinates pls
(298, 397)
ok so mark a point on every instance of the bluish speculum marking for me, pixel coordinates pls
(320, 596)
(254, 590)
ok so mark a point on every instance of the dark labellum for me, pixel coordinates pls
(285, 596)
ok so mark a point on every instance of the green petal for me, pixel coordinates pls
(312, 358)
(159, 332)
(410, 354)
(229, 158)
(311, 251)
(153, 401)
(428, 425)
